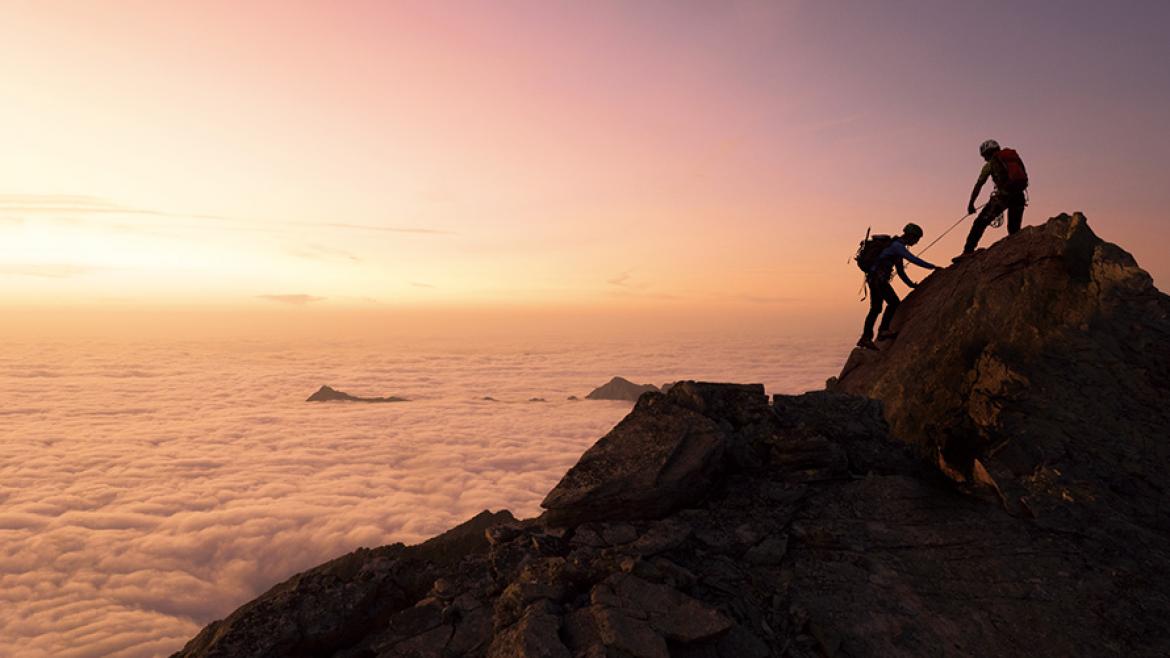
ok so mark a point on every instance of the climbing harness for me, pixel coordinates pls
(998, 221)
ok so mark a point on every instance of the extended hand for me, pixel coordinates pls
(970, 209)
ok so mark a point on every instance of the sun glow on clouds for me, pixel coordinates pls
(89, 248)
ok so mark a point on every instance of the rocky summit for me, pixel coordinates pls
(620, 388)
(991, 483)
(1040, 372)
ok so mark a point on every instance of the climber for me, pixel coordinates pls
(879, 263)
(1006, 169)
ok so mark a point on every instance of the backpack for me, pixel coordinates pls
(870, 249)
(1015, 174)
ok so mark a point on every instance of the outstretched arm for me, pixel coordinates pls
(902, 274)
(983, 176)
(902, 251)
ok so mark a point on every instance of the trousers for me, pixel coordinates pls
(1013, 203)
(880, 292)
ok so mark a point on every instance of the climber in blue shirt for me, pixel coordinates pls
(880, 291)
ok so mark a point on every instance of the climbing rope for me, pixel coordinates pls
(944, 233)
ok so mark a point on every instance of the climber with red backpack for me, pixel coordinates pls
(1006, 170)
(879, 256)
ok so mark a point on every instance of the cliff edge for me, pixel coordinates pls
(1040, 371)
(988, 485)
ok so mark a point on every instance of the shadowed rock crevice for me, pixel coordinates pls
(712, 522)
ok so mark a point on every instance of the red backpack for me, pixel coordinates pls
(1015, 174)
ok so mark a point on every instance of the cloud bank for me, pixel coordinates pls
(146, 490)
(296, 300)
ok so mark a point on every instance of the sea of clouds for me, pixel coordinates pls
(147, 489)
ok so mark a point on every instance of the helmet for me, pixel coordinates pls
(912, 229)
(988, 146)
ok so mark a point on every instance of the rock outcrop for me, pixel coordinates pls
(662, 455)
(713, 522)
(620, 388)
(330, 394)
(1040, 371)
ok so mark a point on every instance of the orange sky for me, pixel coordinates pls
(673, 155)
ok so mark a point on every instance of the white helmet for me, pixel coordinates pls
(989, 145)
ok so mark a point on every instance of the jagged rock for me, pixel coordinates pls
(1036, 369)
(622, 631)
(710, 524)
(738, 405)
(769, 551)
(676, 616)
(341, 602)
(330, 394)
(662, 536)
(536, 635)
(502, 533)
(658, 457)
(620, 388)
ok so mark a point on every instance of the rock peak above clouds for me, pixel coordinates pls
(620, 388)
(329, 394)
(998, 490)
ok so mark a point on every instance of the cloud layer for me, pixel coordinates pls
(148, 489)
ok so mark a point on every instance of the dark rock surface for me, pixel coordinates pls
(330, 394)
(710, 523)
(620, 388)
(1038, 371)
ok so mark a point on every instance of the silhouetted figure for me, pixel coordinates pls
(879, 257)
(1006, 170)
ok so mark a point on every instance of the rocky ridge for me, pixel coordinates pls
(715, 522)
(329, 394)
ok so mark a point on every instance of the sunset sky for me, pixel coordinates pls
(674, 155)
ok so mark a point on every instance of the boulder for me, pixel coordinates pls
(657, 458)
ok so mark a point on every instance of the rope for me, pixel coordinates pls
(944, 233)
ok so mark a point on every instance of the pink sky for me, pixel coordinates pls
(607, 155)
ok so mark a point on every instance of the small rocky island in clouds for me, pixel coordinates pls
(330, 394)
(620, 388)
(992, 483)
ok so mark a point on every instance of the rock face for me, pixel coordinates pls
(712, 522)
(330, 394)
(619, 388)
(662, 455)
(1040, 371)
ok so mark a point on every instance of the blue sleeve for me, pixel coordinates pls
(902, 274)
(902, 251)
